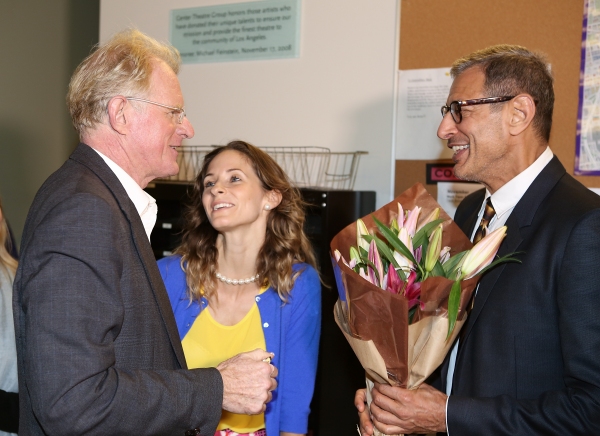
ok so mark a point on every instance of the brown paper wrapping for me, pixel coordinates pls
(375, 322)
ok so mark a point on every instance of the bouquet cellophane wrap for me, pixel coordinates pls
(375, 321)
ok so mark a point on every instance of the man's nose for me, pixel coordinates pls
(447, 127)
(186, 129)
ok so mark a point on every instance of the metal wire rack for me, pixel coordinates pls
(307, 167)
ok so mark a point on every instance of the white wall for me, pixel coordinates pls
(338, 94)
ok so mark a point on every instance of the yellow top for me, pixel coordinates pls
(209, 343)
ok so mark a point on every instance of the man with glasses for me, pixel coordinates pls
(97, 343)
(526, 362)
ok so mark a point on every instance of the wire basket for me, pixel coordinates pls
(317, 167)
(189, 159)
(307, 167)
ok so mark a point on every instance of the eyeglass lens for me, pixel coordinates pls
(454, 109)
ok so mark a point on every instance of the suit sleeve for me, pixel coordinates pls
(301, 351)
(72, 307)
(575, 409)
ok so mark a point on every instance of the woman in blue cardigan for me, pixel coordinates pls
(244, 277)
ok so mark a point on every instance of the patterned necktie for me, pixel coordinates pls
(488, 214)
(482, 230)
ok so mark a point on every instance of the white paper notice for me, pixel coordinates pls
(421, 94)
(450, 194)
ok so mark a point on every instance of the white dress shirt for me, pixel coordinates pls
(504, 201)
(144, 203)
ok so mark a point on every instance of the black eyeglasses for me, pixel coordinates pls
(454, 107)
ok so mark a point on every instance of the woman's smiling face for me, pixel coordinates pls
(233, 195)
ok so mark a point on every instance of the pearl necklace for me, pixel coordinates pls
(236, 282)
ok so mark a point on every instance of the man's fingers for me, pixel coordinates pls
(274, 371)
(259, 354)
(366, 426)
(360, 399)
(381, 417)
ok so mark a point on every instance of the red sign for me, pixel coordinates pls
(441, 173)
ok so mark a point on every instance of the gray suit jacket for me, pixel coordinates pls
(98, 348)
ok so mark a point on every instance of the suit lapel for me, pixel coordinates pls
(469, 225)
(517, 224)
(88, 157)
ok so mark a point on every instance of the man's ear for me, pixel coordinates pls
(522, 111)
(116, 114)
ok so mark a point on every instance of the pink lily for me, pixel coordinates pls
(482, 254)
(411, 221)
(375, 259)
(362, 273)
(394, 284)
(339, 256)
(412, 290)
(444, 255)
(418, 253)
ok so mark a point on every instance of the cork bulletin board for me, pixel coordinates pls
(434, 33)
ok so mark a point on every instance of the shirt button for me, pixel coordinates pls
(265, 325)
(257, 299)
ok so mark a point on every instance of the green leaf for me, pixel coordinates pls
(453, 304)
(503, 259)
(411, 313)
(452, 263)
(396, 243)
(385, 251)
(438, 270)
(425, 232)
(374, 268)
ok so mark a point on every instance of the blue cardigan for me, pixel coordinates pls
(291, 332)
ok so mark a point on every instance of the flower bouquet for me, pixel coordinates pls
(405, 276)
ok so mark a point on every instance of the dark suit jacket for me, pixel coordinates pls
(529, 363)
(97, 345)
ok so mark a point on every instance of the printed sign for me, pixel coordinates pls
(268, 29)
(440, 173)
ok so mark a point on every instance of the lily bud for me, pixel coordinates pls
(375, 259)
(400, 215)
(403, 262)
(354, 256)
(411, 221)
(361, 229)
(482, 254)
(434, 248)
(433, 215)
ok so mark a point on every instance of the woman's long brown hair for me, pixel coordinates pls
(6, 260)
(285, 241)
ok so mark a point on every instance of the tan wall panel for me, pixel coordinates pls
(434, 33)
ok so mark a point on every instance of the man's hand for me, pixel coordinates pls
(396, 410)
(364, 419)
(248, 380)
